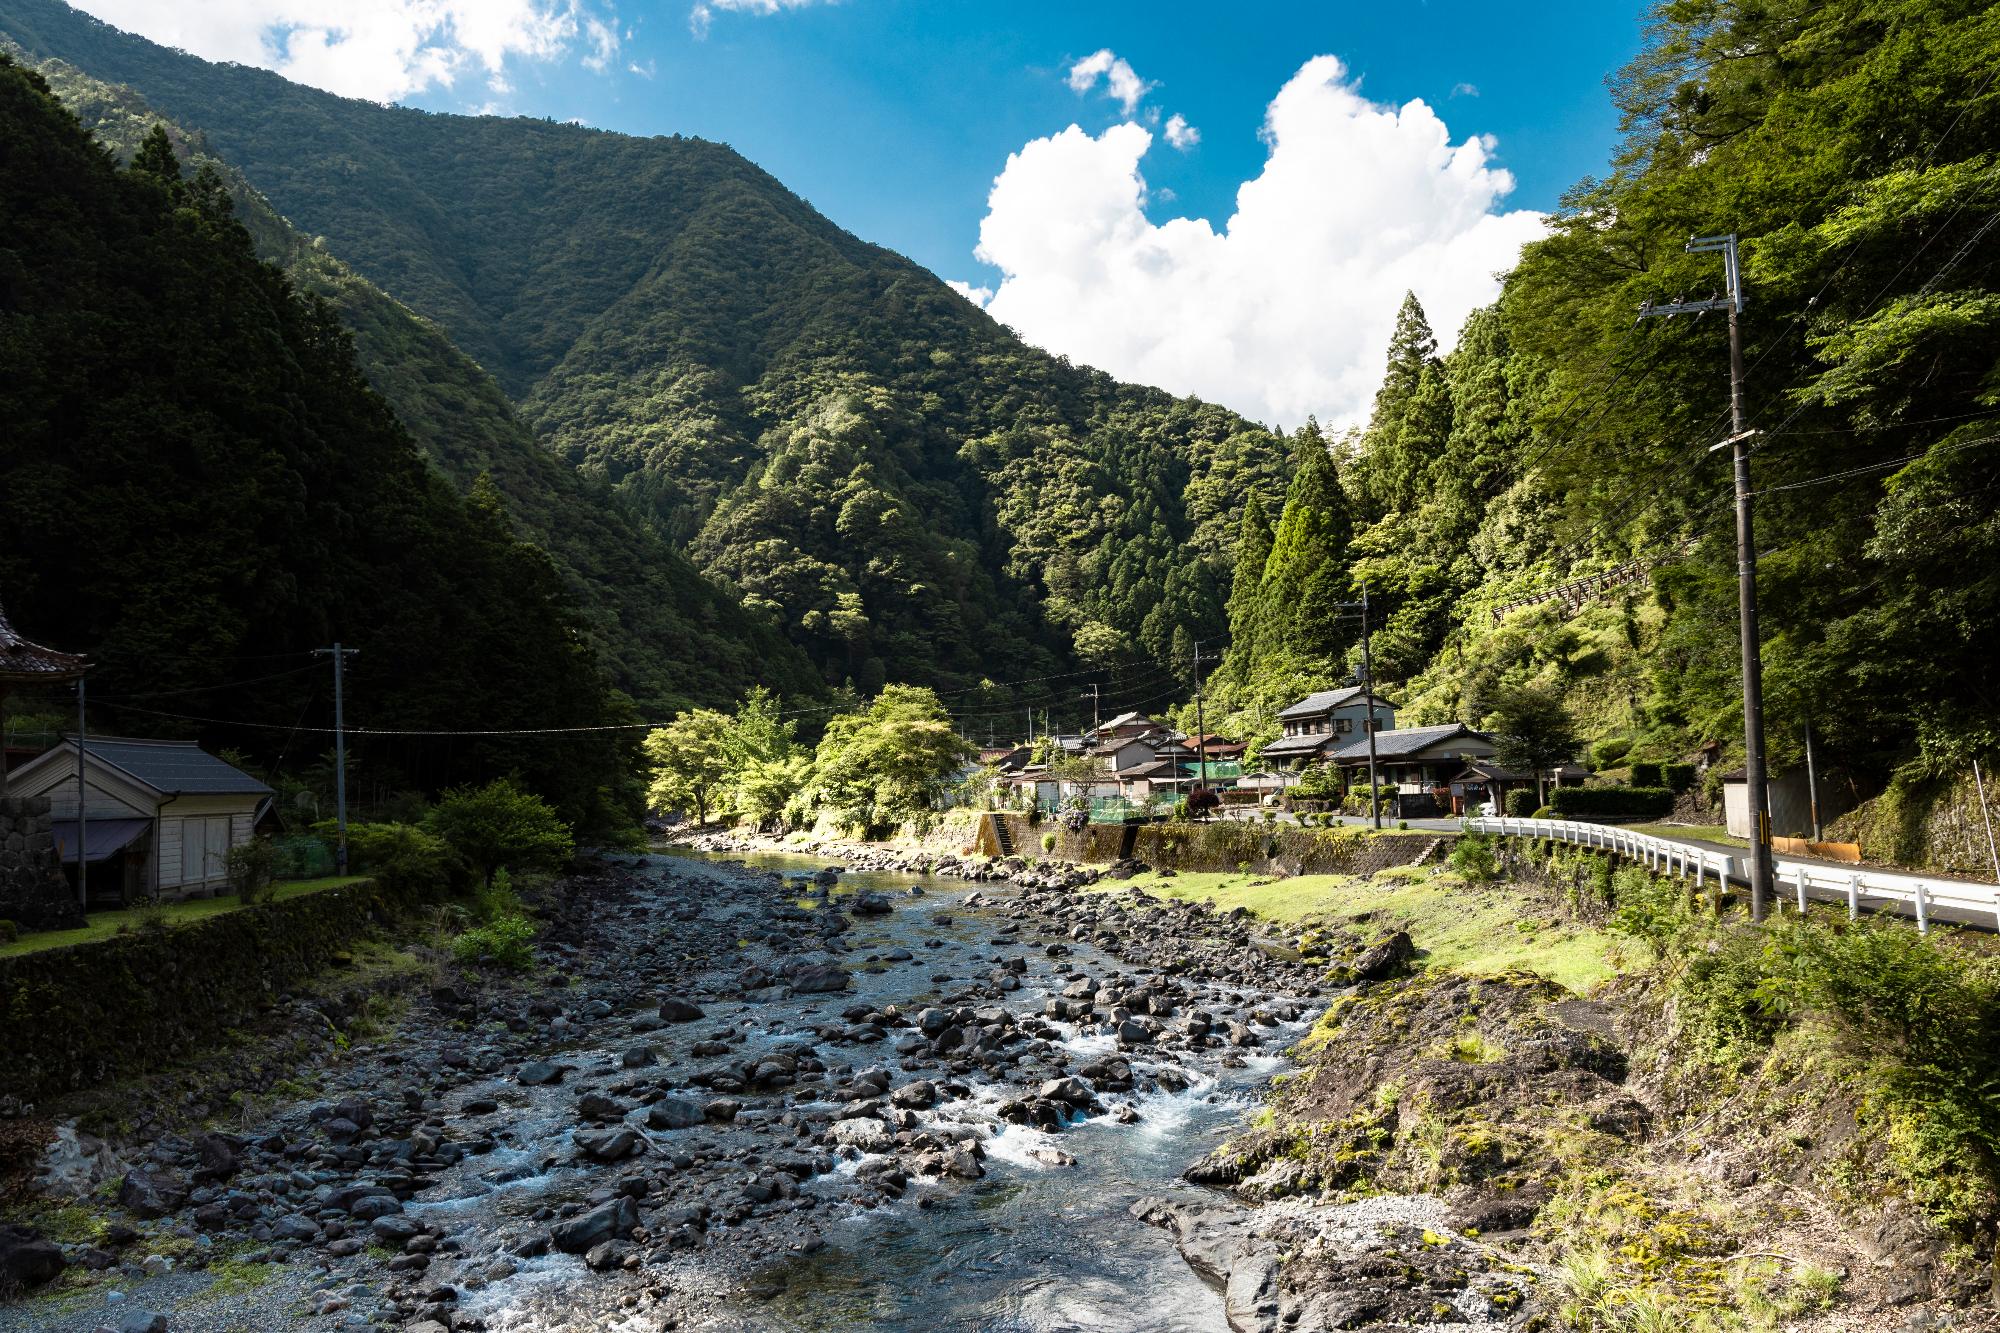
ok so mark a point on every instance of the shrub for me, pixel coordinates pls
(1520, 803)
(1607, 752)
(501, 943)
(1473, 858)
(9, 932)
(1646, 774)
(253, 870)
(1612, 802)
(1677, 777)
(1544, 812)
(1048, 842)
(402, 856)
(501, 824)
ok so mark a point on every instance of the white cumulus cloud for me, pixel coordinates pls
(377, 49)
(1287, 309)
(1181, 134)
(1120, 80)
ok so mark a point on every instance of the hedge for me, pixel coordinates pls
(1678, 777)
(1611, 802)
(1521, 803)
(1645, 774)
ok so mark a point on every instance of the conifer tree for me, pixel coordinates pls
(1306, 574)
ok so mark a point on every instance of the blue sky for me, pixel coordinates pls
(894, 118)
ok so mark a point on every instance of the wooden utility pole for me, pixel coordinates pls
(1096, 710)
(1368, 703)
(1200, 721)
(1738, 443)
(340, 656)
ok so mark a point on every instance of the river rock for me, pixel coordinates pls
(538, 1072)
(673, 1009)
(639, 1057)
(868, 904)
(862, 1133)
(809, 978)
(142, 1321)
(916, 1096)
(295, 1227)
(151, 1194)
(597, 1106)
(1069, 1090)
(674, 1113)
(611, 1221)
(27, 1258)
(608, 1145)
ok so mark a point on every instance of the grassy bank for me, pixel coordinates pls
(1474, 929)
(104, 925)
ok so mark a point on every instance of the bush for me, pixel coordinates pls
(1544, 812)
(1473, 858)
(1611, 802)
(1607, 752)
(499, 825)
(1646, 774)
(1520, 803)
(501, 943)
(1677, 777)
(253, 870)
(9, 932)
(1048, 842)
(402, 856)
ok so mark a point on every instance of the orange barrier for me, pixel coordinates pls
(1846, 852)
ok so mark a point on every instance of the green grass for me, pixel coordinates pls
(103, 925)
(1479, 930)
(1701, 832)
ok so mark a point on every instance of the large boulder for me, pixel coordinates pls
(863, 1134)
(611, 1221)
(151, 1194)
(673, 1009)
(674, 1113)
(817, 978)
(27, 1258)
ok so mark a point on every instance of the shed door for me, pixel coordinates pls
(216, 864)
(194, 845)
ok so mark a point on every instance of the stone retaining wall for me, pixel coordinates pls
(1218, 845)
(82, 1015)
(33, 892)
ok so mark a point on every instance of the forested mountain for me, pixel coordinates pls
(1855, 147)
(668, 635)
(199, 484)
(878, 467)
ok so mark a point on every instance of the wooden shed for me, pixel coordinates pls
(160, 816)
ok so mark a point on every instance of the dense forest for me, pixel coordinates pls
(1855, 148)
(869, 461)
(201, 486)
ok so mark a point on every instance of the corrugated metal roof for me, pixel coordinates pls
(1405, 741)
(175, 767)
(1299, 744)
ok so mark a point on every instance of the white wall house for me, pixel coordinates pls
(159, 816)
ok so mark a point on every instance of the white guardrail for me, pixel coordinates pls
(1863, 890)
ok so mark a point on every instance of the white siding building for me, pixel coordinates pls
(159, 816)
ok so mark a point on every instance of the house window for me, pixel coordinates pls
(1344, 725)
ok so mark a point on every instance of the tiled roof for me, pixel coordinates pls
(1327, 700)
(174, 767)
(1299, 744)
(1403, 741)
(22, 660)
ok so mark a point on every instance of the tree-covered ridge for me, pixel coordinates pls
(200, 482)
(1855, 148)
(875, 464)
(667, 634)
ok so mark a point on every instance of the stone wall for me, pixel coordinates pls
(34, 895)
(1221, 845)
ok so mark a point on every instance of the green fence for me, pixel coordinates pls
(303, 857)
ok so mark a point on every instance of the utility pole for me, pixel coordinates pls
(82, 817)
(1812, 784)
(1738, 443)
(1200, 720)
(1368, 702)
(340, 656)
(1096, 710)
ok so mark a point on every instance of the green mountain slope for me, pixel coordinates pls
(897, 481)
(668, 635)
(199, 484)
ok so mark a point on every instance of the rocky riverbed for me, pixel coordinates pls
(737, 1096)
